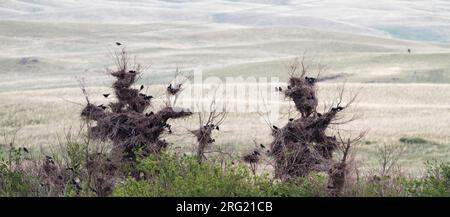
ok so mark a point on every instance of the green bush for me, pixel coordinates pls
(436, 182)
(413, 140)
(14, 182)
(169, 176)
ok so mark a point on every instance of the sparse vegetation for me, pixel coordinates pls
(120, 151)
(171, 174)
(413, 140)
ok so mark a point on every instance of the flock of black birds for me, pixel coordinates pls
(212, 126)
(146, 97)
(309, 80)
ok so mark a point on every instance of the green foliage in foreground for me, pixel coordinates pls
(13, 181)
(435, 183)
(169, 176)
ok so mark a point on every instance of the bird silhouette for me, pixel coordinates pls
(217, 128)
(25, 150)
(339, 108)
(310, 80)
(132, 71)
(49, 159)
(118, 43)
(291, 119)
(279, 89)
(142, 87)
(275, 127)
(262, 146)
(76, 183)
(106, 95)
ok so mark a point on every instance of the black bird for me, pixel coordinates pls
(217, 128)
(118, 43)
(170, 131)
(102, 106)
(251, 157)
(142, 87)
(213, 140)
(262, 146)
(339, 108)
(291, 119)
(279, 89)
(289, 87)
(25, 150)
(76, 183)
(132, 71)
(106, 95)
(275, 127)
(310, 80)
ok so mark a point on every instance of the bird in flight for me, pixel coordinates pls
(106, 95)
(118, 43)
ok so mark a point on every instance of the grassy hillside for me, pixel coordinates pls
(51, 55)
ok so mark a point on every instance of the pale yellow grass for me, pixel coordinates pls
(387, 111)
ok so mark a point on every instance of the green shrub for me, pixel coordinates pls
(413, 140)
(376, 186)
(170, 176)
(13, 181)
(436, 182)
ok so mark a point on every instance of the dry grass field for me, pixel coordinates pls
(48, 45)
(388, 112)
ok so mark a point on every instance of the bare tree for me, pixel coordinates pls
(302, 145)
(207, 123)
(126, 122)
